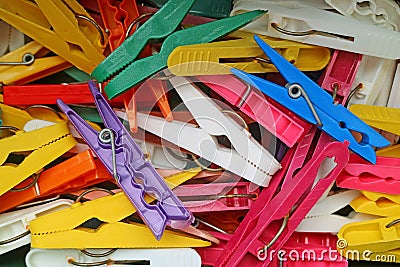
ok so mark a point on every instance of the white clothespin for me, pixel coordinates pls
(383, 13)
(321, 217)
(171, 257)
(323, 28)
(376, 76)
(247, 159)
(394, 97)
(14, 226)
(11, 38)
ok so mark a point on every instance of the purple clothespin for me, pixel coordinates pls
(122, 157)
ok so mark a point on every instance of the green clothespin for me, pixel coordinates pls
(206, 8)
(160, 25)
(135, 72)
(87, 113)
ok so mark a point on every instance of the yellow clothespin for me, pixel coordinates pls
(64, 27)
(44, 145)
(243, 53)
(30, 64)
(63, 229)
(368, 239)
(387, 119)
(379, 204)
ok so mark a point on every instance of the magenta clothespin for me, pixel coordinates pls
(340, 74)
(217, 196)
(384, 177)
(284, 212)
(278, 120)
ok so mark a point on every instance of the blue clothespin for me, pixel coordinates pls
(309, 101)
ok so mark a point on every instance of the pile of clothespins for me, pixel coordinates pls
(199, 133)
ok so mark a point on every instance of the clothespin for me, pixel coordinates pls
(63, 229)
(80, 171)
(216, 196)
(45, 144)
(309, 101)
(213, 122)
(340, 73)
(385, 13)
(243, 53)
(223, 222)
(379, 204)
(382, 177)
(393, 101)
(323, 28)
(285, 210)
(14, 226)
(29, 63)
(173, 257)
(275, 118)
(13, 40)
(64, 28)
(383, 118)
(322, 217)
(373, 81)
(378, 237)
(210, 9)
(121, 62)
(127, 164)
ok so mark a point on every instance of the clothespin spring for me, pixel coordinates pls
(15, 238)
(27, 59)
(273, 240)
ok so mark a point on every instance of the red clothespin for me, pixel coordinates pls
(47, 94)
(288, 127)
(283, 213)
(77, 172)
(340, 74)
(383, 177)
(217, 196)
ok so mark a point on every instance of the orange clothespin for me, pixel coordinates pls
(80, 171)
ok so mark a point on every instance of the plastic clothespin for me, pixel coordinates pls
(212, 122)
(378, 237)
(13, 40)
(45, 144)
(29, 63)
(387, 119)
(173, 257)
(122, 157)
(210, 9)
(276, 119)
(383, 177)
(379, 204)
(375, 76)
(217, 196)
(322, 217)
(323, 28)
(340, 73)
(243, 53)
(80, 171)
(394, 96)
(384, 13)
(305, 98)
(62, 229)
(128, 72)
(286, 210)
(64, 28)
(14, 226)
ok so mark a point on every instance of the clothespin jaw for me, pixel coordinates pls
(309, 101)
(129, 73)
(123, 158)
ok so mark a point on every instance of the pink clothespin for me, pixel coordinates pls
(340, 74)
(217, 196)
(383, 177)
(275, 118)
(284, 212)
